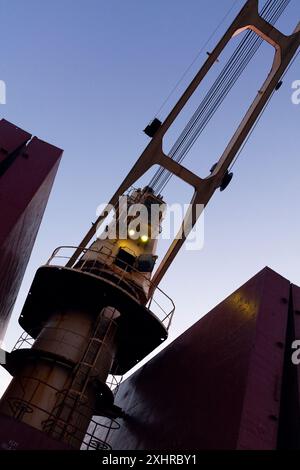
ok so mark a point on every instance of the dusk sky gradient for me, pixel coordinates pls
(88, 75)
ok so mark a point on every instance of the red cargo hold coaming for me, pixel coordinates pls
(27, 171)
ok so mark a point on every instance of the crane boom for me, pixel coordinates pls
(96, 317)
(204, 188)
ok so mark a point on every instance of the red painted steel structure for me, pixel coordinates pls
(226, 382)
(27, 170)
(289, 423)
(15, 435)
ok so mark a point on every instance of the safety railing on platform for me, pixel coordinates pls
(24, 341)
(161, 304)
(96, 437)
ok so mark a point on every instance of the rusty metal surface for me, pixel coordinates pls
(24, 190)
(218, 385)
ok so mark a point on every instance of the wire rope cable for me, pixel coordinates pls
(233, 69)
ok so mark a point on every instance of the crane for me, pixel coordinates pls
(286, 48)
(92, 316)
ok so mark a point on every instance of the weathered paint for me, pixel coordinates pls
(218, 385)
(27, 173)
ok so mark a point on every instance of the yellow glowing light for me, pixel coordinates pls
(144, 238)
(131, 232)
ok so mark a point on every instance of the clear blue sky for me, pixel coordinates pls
(88, 75)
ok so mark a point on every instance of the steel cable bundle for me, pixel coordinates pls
(231, 72)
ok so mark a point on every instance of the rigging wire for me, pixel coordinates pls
(199, 130)
(229, 75)
(291, 64)
(196, 58)
(164, 175)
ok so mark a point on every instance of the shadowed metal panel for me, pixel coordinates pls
(24, 190)
(289, 428)
(11, 139)
(296, 317)
(15, 435)
(261, 408)
(218, 385)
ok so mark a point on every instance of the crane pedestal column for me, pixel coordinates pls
(85, 327)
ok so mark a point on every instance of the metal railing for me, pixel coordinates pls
(114, 382)
(164, 309)
(94, 438)
(24, 341)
